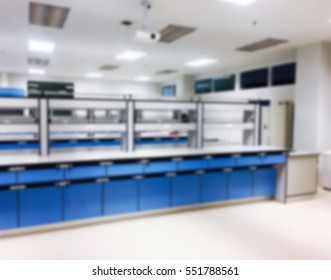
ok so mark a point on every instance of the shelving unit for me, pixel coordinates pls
(229, 124)
(168, 122)
(19, 125)
(86, 124)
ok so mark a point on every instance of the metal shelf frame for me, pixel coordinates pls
(129, 125)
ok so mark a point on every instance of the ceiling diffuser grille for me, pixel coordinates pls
(108, 67)
(260, 45)
(33, 61)
(48, 15)
(173, 32)
(166, 72)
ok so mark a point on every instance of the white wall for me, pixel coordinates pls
(96, 87)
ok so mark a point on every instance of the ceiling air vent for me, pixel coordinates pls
(38, 61)
(108, 67)
(173, 32)
(48, 15)
(260, 45)
(166, 72)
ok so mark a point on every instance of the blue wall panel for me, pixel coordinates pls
(185, 190)
(8, 210)
(82, 201)
(121, 197)
(240, 184)
(214, 187)
(154, 193)
(40, 206)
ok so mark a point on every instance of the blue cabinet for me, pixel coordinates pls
(192, 164)
(85, 172)
(214, 187)
(40, 175)
(185, 190)
(154, 193)
(222, 162)
(8, 210)
(40, 206)
(274, 159)
(120, 197)
(249, 160)
(7, 178)
(82, 201)
(265, 182)
(125, 169)
(240, 184)
(161, 167)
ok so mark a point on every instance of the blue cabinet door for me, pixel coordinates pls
(249, 160)
(40, 206)
(161, 167)
(82, 201)
(125, 169)
(154, 193)
(7, 178)
(222, 162)
(121, 197)
(185, 190)
(192, 164)
(265, 182)
(85, 172)
(8, 210)
(214, 187)
(40, 176)
(240, 184)
(274, 159)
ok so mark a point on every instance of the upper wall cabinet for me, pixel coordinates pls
(283, 74)
(225, 83)
(254, 79)
(204, 86)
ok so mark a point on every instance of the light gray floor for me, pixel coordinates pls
(264, 230)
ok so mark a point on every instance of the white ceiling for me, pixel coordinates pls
(93, 35)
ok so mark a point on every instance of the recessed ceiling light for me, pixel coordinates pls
(34, 71)
(201, 62)
(93, 75)
(143, 79)
(41, 46)
(129, 55)
(240, 2)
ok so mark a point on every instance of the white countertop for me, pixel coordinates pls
(303, 154)
(104, 155)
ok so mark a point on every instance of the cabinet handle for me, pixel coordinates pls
(227, 170)
(15, 169)
(106, 163)
(62, 184)
(171, 175)
(102, 180)
(15, 188)
(138, 177)
(64, 166)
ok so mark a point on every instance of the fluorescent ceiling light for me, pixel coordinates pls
(143, 79)
(93, 75)
(34, 71)
(201, 62)
(41, 46)
(129, 55)
(240, 2)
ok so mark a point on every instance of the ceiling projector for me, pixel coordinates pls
(147, 37)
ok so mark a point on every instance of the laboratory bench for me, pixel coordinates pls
(60, 189)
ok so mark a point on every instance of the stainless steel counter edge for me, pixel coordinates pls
(16, 160)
